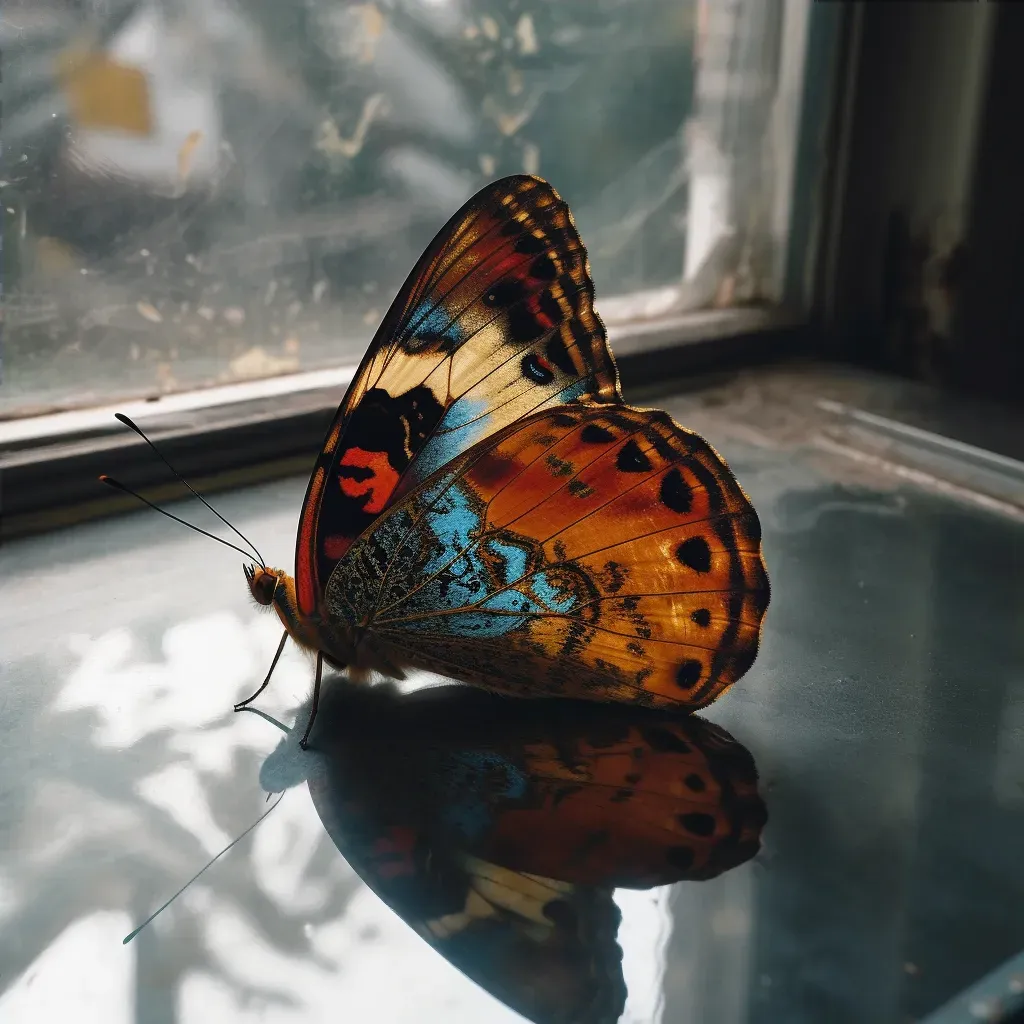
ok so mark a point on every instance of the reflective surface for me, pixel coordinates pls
(885, 714)
(498, 830)
(200, 193)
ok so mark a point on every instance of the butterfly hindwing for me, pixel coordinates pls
(635, 800)
(589, 551)
(496, 321)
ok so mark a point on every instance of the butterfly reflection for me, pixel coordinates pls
(498, 829)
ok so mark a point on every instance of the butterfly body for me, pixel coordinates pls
(275, 588)
(485, 506)
(341, 645)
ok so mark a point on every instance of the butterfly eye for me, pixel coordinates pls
(262, 584)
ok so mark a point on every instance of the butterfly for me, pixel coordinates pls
(498, 830)
(485, 505)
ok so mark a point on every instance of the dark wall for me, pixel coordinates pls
(921, 267)
(989, 322)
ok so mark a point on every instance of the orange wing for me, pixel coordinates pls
(598, 552)
(657, 802)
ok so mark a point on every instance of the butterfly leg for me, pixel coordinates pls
(316, 699)
(273, 665)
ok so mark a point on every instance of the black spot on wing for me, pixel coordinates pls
(523, 326)
(530, 245)
(504, 294)
(594, 434)
(675, 492)
(543, 268)
(631, 459)
(688, 673)
(698, 823)
(535, 370)
(695, 554)
(357, 473)
(702, 616)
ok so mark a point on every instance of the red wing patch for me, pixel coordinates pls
(367, 474)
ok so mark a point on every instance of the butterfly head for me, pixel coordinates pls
(274, 588)
(263, 583)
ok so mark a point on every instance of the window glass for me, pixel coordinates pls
(201, 192)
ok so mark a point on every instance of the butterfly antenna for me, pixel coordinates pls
(138, 430)
(131, 935)
(118, 486)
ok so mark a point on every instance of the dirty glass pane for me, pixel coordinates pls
(199, 192)
(884, 715)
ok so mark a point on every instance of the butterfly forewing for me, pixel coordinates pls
(495, 322)
(591, 551)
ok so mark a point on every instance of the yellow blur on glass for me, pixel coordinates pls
(104, 95)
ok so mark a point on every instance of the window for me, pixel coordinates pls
(207, 193)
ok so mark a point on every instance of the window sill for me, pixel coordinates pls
(225, 437)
